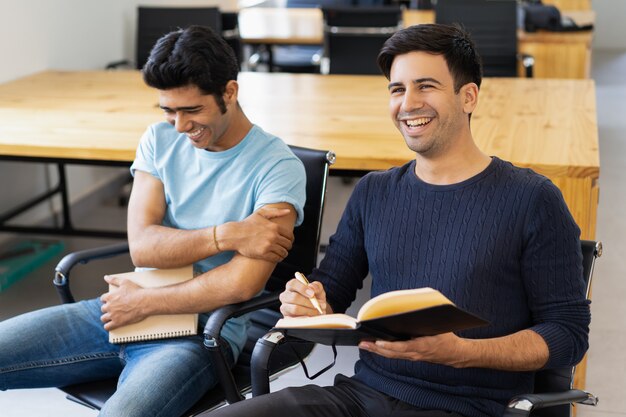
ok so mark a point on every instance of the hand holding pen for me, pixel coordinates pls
(300, 277)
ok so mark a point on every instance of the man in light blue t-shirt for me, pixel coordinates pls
(211, 189)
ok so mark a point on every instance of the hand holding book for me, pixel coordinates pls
(152, 327)
(121, 305)
(396, 315)
(445, 349)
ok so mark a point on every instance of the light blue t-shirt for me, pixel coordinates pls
(204, 188)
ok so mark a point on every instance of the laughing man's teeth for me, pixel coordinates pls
(195, 133)
(418, 122)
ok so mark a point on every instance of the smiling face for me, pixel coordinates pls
(424, 106)
(198, 116)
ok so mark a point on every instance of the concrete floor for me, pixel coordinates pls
(606, 360)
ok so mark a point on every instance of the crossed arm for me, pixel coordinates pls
(260, 241)
(524, 350)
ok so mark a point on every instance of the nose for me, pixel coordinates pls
(181, 123)
(411, 101)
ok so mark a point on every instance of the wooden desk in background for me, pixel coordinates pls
(557, 55)
(98, 117)
(570, 4)
(560, 54)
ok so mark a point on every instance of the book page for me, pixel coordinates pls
(327, 321)
(396, 302)
(154, 278)
(161, 326)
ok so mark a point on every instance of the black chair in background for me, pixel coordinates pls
(553, 395)
(154, 22)
(296, 58)
(230, 33)
(493, 27)
(353, 37)
(235, 382)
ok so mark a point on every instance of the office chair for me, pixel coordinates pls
(235, 382)
(492, 25)
(297, 58)
(230, 33)
(154, 22)
(353, 37)
(553, 395)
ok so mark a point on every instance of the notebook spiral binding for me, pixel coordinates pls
(153, 336)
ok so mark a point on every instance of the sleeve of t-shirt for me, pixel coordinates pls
(553, 278)
(144, 157)
(285, 182)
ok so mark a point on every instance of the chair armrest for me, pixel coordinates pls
(65, 265)
(522, 405)
(218, 317)
(260, 361)
(214, 343)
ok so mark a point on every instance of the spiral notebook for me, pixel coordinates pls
(160, 326)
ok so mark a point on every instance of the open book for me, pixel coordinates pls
(161, 326)
(396, 315)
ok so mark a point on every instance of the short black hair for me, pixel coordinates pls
(192, 56)
(451, 41)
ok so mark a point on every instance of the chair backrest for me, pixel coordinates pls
(154, 22)
(230, 33)
(353, 36)
(303, 255)
(558, 380)
(493, 27)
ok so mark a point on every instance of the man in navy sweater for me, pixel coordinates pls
(497, 240)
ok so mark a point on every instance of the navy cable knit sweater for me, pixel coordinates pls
(501, 244)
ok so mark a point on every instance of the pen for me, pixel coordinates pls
(300, 277)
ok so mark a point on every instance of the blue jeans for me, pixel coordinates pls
(67, 344)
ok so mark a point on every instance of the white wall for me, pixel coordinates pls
(59, 34)
(64, 34)
(610, 29)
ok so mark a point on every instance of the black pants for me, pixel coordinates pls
(346, 398)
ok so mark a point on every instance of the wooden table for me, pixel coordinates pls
(98, 117)
(557, 55)
(570, 4)
(548, 125)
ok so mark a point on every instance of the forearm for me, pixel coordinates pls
(158, 246)
(521, 351)
(238, 280)
(266, 234)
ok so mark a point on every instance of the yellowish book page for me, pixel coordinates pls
(396, 302)
(327, 321)
(153, 278)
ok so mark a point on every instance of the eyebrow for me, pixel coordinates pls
(176, 109)
(416, 81)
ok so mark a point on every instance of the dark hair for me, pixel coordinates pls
(452, 42)
(193, 56)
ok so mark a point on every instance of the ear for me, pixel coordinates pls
(469, 95)
(230, 92)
